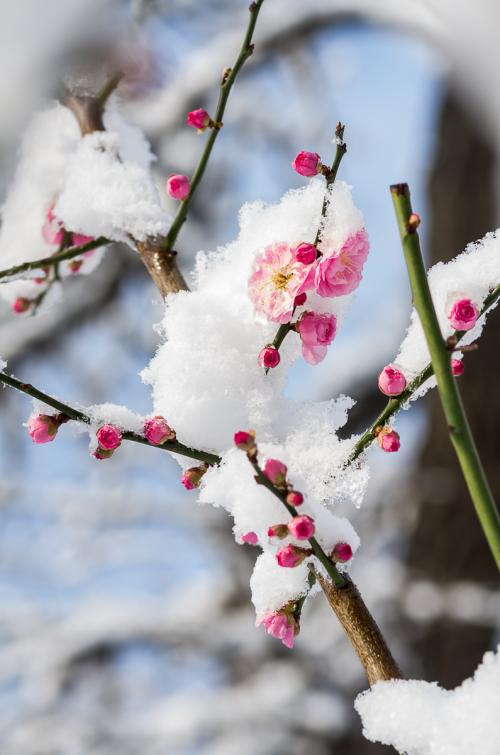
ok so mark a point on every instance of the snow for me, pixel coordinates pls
(422, 718)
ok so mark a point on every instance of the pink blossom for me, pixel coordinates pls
(191, 477)
(21, 305)
(278, 625)
(342, 552)
(302, 527)
(391, 381)
(294, 498)
(275, 471)
(463, 314)
(250, 538)
(388, 440)
(178, 187)
(157, 431)
(199, 119)
(244, 440)
(291, 556)
(316, 333)
(457, 367)
(80, 239)
(269, 357)
(277, 279)
(305, 253)
(109, 437)
(300, 300)
(340, 273)
(307, 163)
(43, 428)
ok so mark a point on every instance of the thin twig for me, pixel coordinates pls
(67, 254)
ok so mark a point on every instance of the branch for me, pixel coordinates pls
(228, 79)
(78, 416)
(460, 432)
(55, 259)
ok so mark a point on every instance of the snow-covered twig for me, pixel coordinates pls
(66, 254)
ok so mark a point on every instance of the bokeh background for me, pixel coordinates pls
(125, 622)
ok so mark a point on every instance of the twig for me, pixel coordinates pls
(67, 254)
(460, 432)
(78, 416)
(109, 87)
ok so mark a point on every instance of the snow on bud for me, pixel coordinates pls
(307, 164)
(302, 527)
(316, 332)
(157, 431)
(191, 478)
(391, 381)
(245, 441)
(305, 253)
(21, 305)
(300, 299)
(388, 440)
(178, 187)
(294, 498)
(457, 367)
(341, 553)
(102, 453)
(463, 314)
(278, 530)
(275, 471)
(43, 428)
(250, 538)
(291, 556)
(109, 437)
(269, 357)
(199, 119)
(281, 626)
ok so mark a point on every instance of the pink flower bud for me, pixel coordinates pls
(300, 299)
(275, 471)
(463, 314)
(294, 498)
(244, 440)
(302, 527)
(307, 163)
(278, 530)
(80, 239)
(199, 119)
(342, 553)
(109, 437)
(388, 440)
(178, 187)
(157, 431)
(74, 266)
(21, 305)
(43, 428)
(457, 367)
(391, 381)
(281, 626)
(101, 453)
(191, 478)
(269, 357)
(291, 556)
(250, 538)
(305, 253)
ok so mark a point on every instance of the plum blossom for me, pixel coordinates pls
(198, 119)
(302, 527)
(391, 381)
(316, 333)
(277, 279)
(340, 273)
(178, 187)
(388, 440)
(109, 437)
(291, 556)
(269, 357)
(21, 305)
(457, 367)
(463, 314)
(157, 431)
(250, 538)
(342, 553)
(43, 428)
(279, 625)
(275, 471)
(307, 164)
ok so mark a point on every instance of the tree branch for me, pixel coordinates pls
(55, 259)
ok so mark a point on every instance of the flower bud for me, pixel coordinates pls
(388, 440)
(294, 498)
(157, 431)
(74, 266)
(413, 222)
(269, 357)
(101, 453)
(341, 553)
(302, 527)
(307, 163)
(43, 428)
(178, 187)
(457, 367)
(244, 440)
(109, 437)
(291, 556)
(199, 119)
(391, 381)
(250, 538)
(300, 299)
(191, 478)
(21, 305)
(305, 253)
(275, 471)
(282, 625)
(463, 314)
(278, 530)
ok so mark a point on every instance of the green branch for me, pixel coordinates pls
(460, 432)
(67, 254)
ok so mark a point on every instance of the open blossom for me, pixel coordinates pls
(109, 437)
(316, 333)
(199, 119)
(388, 440)
(457, 367)
(307, 163)
(339, 273)
(291, 556)
(250, 538)
(43, 428)
(463, 314)
(269, 357)
(157, 431)
(275, 471)
(277, 279)
(279, 625)
(302, 527)
(391, 381)
(178, 186)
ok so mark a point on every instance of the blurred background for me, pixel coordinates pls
(125, 621)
